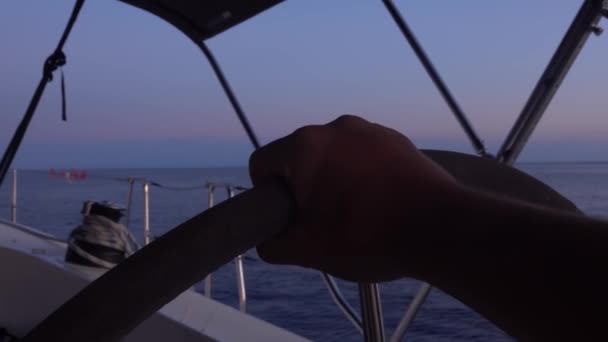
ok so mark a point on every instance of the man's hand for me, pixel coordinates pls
(356, 185)
(371, 207)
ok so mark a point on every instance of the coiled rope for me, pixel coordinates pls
(101, 231)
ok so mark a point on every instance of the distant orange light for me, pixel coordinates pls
(70, 175)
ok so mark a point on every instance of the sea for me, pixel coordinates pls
(291, 297)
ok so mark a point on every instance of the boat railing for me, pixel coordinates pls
(231, 189)
(211, 187)
(371, 304)
(240, 272)
(373, 310)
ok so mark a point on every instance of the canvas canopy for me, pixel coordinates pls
(203, 19)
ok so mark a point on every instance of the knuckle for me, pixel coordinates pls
(305, 132)
(253, 159)
(348, 120)
(305, 137)
(254, 164)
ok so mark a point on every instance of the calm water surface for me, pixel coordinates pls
(291, 297)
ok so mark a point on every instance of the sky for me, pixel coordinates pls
(140, 94)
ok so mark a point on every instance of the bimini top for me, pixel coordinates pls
(203, 19)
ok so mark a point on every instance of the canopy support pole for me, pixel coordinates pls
(230, 94)
(461, 117)
(575, 38)
(55, 60)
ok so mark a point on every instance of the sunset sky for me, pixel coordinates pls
(140, 94)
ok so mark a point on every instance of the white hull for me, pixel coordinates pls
(35, 281)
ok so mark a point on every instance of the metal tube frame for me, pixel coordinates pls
(56, 59)
(229, 94)
(443, 89)
(240, 273)
(411, 312)
(371, 312)
(207, 280)
(240, 282)
(146, 212)
(341, 302)
(240, 269)
(575, 38)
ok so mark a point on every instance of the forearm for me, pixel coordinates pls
(371, 207)
(535, 272)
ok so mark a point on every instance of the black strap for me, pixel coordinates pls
(55, 60)
(459, 114)
(64, 115)
(230, 94)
